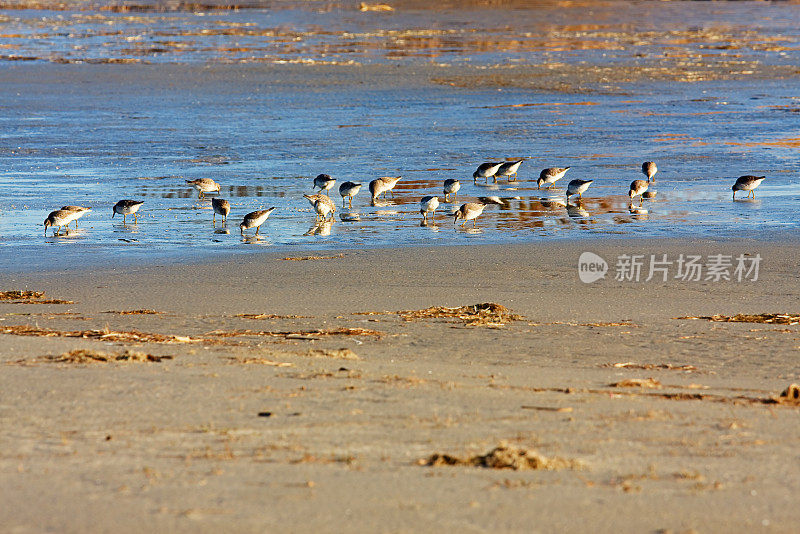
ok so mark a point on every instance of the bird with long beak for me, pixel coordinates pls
(349, 190)
(472, 210)
(57, 219)
(507, 169)
(204, 185)
(322, 205)
(550, 175)
(324, 182)
(222, 207)
(577, 187)
(428, 204)
(255, 219)
(638, 187)
(649, 169)
(127, 207)
(451, 187)
(383, 185)
(486, 171)
(747, 183)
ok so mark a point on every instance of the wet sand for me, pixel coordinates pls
(260, 422)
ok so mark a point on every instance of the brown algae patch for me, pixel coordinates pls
(105, 335)
(764, 318)
(29, 297)
(300, 334)
(649, 366)
(485, 314)
(135, 312)
(649, 383)
(83, 356)
(270, 316)
(505, 456)
(307, 258)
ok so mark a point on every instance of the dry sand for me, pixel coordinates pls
(262, 423)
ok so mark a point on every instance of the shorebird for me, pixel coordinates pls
(638, 187)
(486, 170)
(649, 169)
(426, 204)
(747, 183)
(451, 187)
(382, 186)
(649, 195)
(79, 211)
(221, 206)
(577, 187)
(255, 218)
(507, 169)
(550, 176)
(349, 190)
(324, 182)
(322, 204)
(472, 210)
(127, 207)
(204, 185)
(58, 219)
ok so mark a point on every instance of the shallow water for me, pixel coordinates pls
(93, 134)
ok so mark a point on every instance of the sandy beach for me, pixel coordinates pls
(257, 393)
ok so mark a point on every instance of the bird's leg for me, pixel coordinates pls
(123, 220)
(258, 228)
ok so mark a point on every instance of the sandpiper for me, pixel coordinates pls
(79, 211)
(426, 204)
(451, 187)
(221, 206)
(127, 207)
(638, 187)
(324, 182)
(747, 183)
(204, 185)
(322, 204)
(577, 187)
(486, 170)
(507, 169)
(649, 169)
(58, 219)
(383, 185)
(471, 210)
(550, 175)
(255, 218)
(349, 190)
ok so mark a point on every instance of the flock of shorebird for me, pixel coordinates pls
(325, 207)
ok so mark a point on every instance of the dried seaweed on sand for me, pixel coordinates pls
(105, 335)
(505, 456)
(299, 334)
(93, 356)
(135, 312)
(306, 258)
(765, 318)
(270, 316)
(666, 366)
(650, 383)
(29, 297)
(483, 314)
